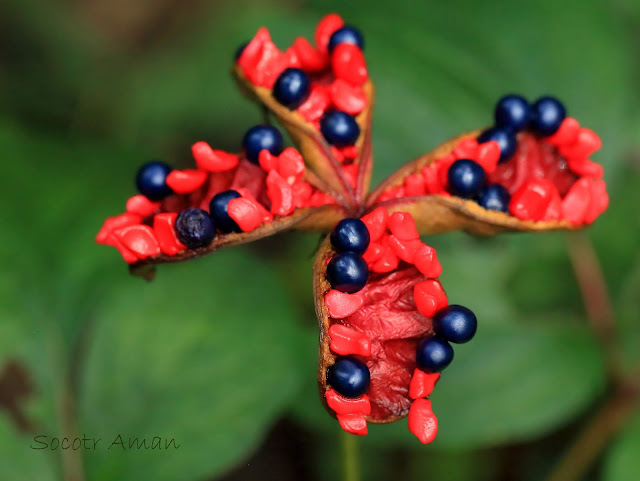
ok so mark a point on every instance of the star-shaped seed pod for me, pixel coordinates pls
(386, 324)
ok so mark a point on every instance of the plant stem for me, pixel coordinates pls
(624, 400)
(350, 457)
(595, 297)
(595, 437)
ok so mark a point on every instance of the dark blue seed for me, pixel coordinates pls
(455, 323)
(513, 112)
(346, 34)
(494, 197)
(194, 228)
(547, 115)
(347, 272)
(349, 376)
(505, 138)
(339, 128)
(218, 210)
(466, 178)
(151, 180)
(262, 137)
(292, 87)
(350, 235)
(433, 354)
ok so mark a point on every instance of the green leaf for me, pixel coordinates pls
(622, 460)
(200, 355)
(20, 460)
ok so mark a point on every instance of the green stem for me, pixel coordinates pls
(350, 457)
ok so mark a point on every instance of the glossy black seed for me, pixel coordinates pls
(455, 323)
(151, 180)
(194, 228)
(494, 197)
(466, 178)
(218, 210)
(347, 272)
(349, 376)
(350, 235)
(547, 115)
(433, 354)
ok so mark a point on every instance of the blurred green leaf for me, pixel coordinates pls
(19, 460)
(622, 460)
(199, 355)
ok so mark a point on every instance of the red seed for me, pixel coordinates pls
(488, 156)
(343, 405)
(311, 60)
(346, 341)
(554, 209)
(302, 192)
(346, 97)
(429, 297)
(404, 249)
(426, 261)
(466, 149)
(414, 185)
(566, 134)
(316, 104)
(422, 422)
(337, 153)
(139, 204)
(353, 423)
(349, 152)
(530, 201)
(186, 181)
(576, 202)
(443, 164)
(291, 58)
(432, 182)
(373, 253)
(599, 201)
(266, 215)
(422, 383)
(267, 65)
(347, 63)
(117, 222)
(139, 239)
(290, 165)
(585, 144)
(584, 167)
(319, 198)
(267, 160)
(280, 194)
(163, 228)
(340, 304)
(126, 254)
(326, 27)
(387, 262)
(245, 213)
(213, 160)
(376, 222)
(251, 53)
(402, 225)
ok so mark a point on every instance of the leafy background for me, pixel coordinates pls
(220, 354)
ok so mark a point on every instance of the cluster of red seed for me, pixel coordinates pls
(549, 178)
(337, 78)
(353, 331)
(275, 188)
